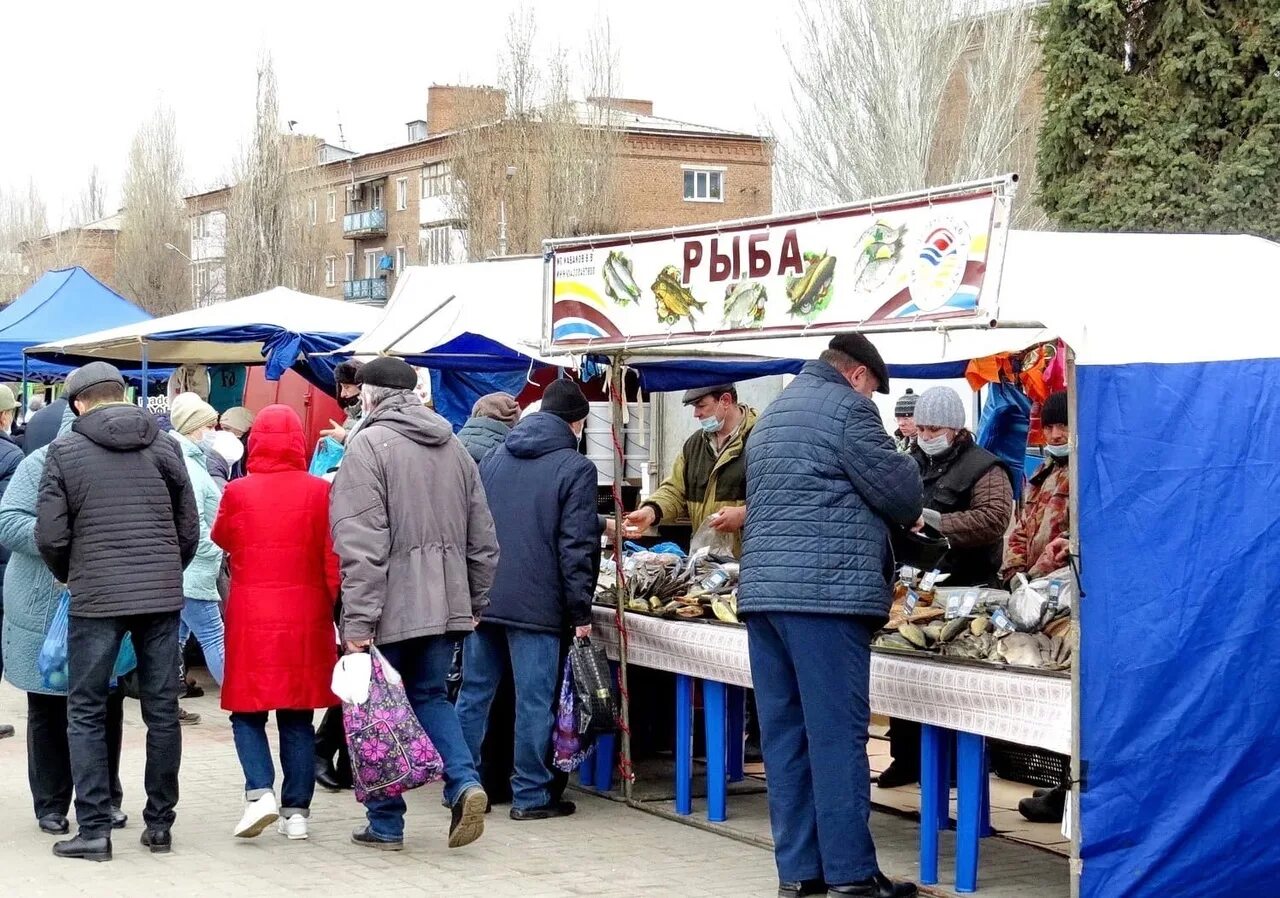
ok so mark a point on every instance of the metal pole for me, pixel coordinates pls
(502, 226)
(144, 375)
(24, 386)
(1073, 505)
(618, 395)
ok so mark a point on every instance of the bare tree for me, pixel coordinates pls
(23, 217)
(91, 204)
(891, 96)
(154, 218)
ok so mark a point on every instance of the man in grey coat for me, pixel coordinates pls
(412, 529)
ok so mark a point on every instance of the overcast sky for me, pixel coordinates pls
(79, 76)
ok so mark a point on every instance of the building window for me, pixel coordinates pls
(198, 225)
(435, 179)
(704, 185)
(402, 259)
(375, 196)
(311, 211)
(351, 266)
(331, 210)
(436, 245)
(199, 285)
(371, 262)
(402, 194)
(330, 269)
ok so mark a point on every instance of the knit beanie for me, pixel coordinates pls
(1054, 410)
(188, 413)
(237, 418)
(906, 407)
(563, 398)
(940, 407)
(498, 406)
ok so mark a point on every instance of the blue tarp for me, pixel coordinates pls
(453, 393)
(63, 303)
(1180, 652)
(670, 375)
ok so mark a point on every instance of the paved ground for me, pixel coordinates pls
(606, 849)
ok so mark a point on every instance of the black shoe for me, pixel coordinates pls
(6, 730)
(546, 812)
(1041, 793)
(801, 888)
(84, 849)
(365, 836)
(468, 817)
(119, 819)
(160, 841)
(54, 824)
(878, 886)
(752, 754)
(1047, 808)
(326, 776)
(192, 689)
(896, 775)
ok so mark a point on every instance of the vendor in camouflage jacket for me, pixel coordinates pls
(1038, 544)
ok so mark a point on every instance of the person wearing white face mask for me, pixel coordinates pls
(1039, 543)
(708, 481)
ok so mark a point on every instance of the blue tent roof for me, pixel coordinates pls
(63, 303)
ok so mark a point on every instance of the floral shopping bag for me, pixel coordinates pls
(569, 747)
(390, 751)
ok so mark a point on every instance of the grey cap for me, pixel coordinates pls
(717, 390)
(940, 407)
(91, 375)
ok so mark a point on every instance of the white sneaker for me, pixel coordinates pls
(258, 815)
(294, 827)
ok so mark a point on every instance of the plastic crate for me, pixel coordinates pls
(1023, 764)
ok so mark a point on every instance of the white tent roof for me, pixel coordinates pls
(499, 300)
(1114, 299)
(243, 325)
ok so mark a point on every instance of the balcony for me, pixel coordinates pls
(370, 223)
(371, 290)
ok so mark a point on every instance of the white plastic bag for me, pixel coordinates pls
(351, 677)
(1026, 605)
(712, 540)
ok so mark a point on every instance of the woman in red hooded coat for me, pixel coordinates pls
(274, 526)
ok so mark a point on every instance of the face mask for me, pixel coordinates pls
(711, 425)
(206, 441)
(935, 446)
(1058, 452)
(351, 403)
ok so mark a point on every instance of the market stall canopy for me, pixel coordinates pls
(280, 328)
(60, 304)
(473, 317)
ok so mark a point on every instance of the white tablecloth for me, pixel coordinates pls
(1017, 706)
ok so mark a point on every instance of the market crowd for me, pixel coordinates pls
(417, 542)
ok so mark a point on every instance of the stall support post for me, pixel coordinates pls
(684, 745)
(24, 386)
(617, 393)
(933, 807)
(1073, 505)
(970, 781)
(737, 733)
(714, 711)
(146, 380)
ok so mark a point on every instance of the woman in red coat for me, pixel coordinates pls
(274, 525)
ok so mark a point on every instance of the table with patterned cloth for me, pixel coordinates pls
(1027, 707)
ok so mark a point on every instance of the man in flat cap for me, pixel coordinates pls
(708, 481)
(824, 484)
(413, 532)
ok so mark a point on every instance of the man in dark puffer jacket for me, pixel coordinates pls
(824, 484)
(117, 522)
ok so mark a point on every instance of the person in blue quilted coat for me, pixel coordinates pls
(825, 484)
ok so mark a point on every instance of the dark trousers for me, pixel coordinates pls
(297, 767)
(49, 754)
(92, 646)
(812, 677)
(904, 744)
(331, 743)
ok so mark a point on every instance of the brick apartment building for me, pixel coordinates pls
(374, 213)
(92, 246)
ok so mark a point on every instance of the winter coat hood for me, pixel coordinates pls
(276, 443)
(119, 426)
(406, 415)
(480, 436)
(540, 434)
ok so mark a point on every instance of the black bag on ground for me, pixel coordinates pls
(597, 700)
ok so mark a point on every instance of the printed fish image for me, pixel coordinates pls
(619, 281)
(674, 299)
(744, 304)
(879, 249)
(810, 294)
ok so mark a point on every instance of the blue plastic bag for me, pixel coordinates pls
(52, 661)
(1002, 429)
(327, 456)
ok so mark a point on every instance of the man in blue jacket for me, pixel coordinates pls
(824, 485)
(542, 493)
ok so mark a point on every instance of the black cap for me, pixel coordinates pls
(91, 375)
(563, 398)
(385, 371)
(862, 350)
(692, 396)
(1054, 410)
(346, 372)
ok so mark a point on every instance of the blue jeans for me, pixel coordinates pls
(297, 764)
(423, 663)
(812, 677)
(534, 658)
(204, 620)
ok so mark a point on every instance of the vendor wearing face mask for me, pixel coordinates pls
(348, 396)
(1039, 542)
(708, 481)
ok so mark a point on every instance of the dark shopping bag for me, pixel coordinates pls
(569, 747)
(597, 701)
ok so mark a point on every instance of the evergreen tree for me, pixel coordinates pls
(1162, 115)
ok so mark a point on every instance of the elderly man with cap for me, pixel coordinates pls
(708, 480)
(117, 522)
(418, 552)
(905, 413)
(347, 392)
(824, 485)
(492, 418)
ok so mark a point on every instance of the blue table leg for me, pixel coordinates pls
(970, 782)
(933, 782)
(604, 762)
(587, 772)
(737, 735)
(984, 826)
(714, 708)
(946, 764)
(684, 744)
